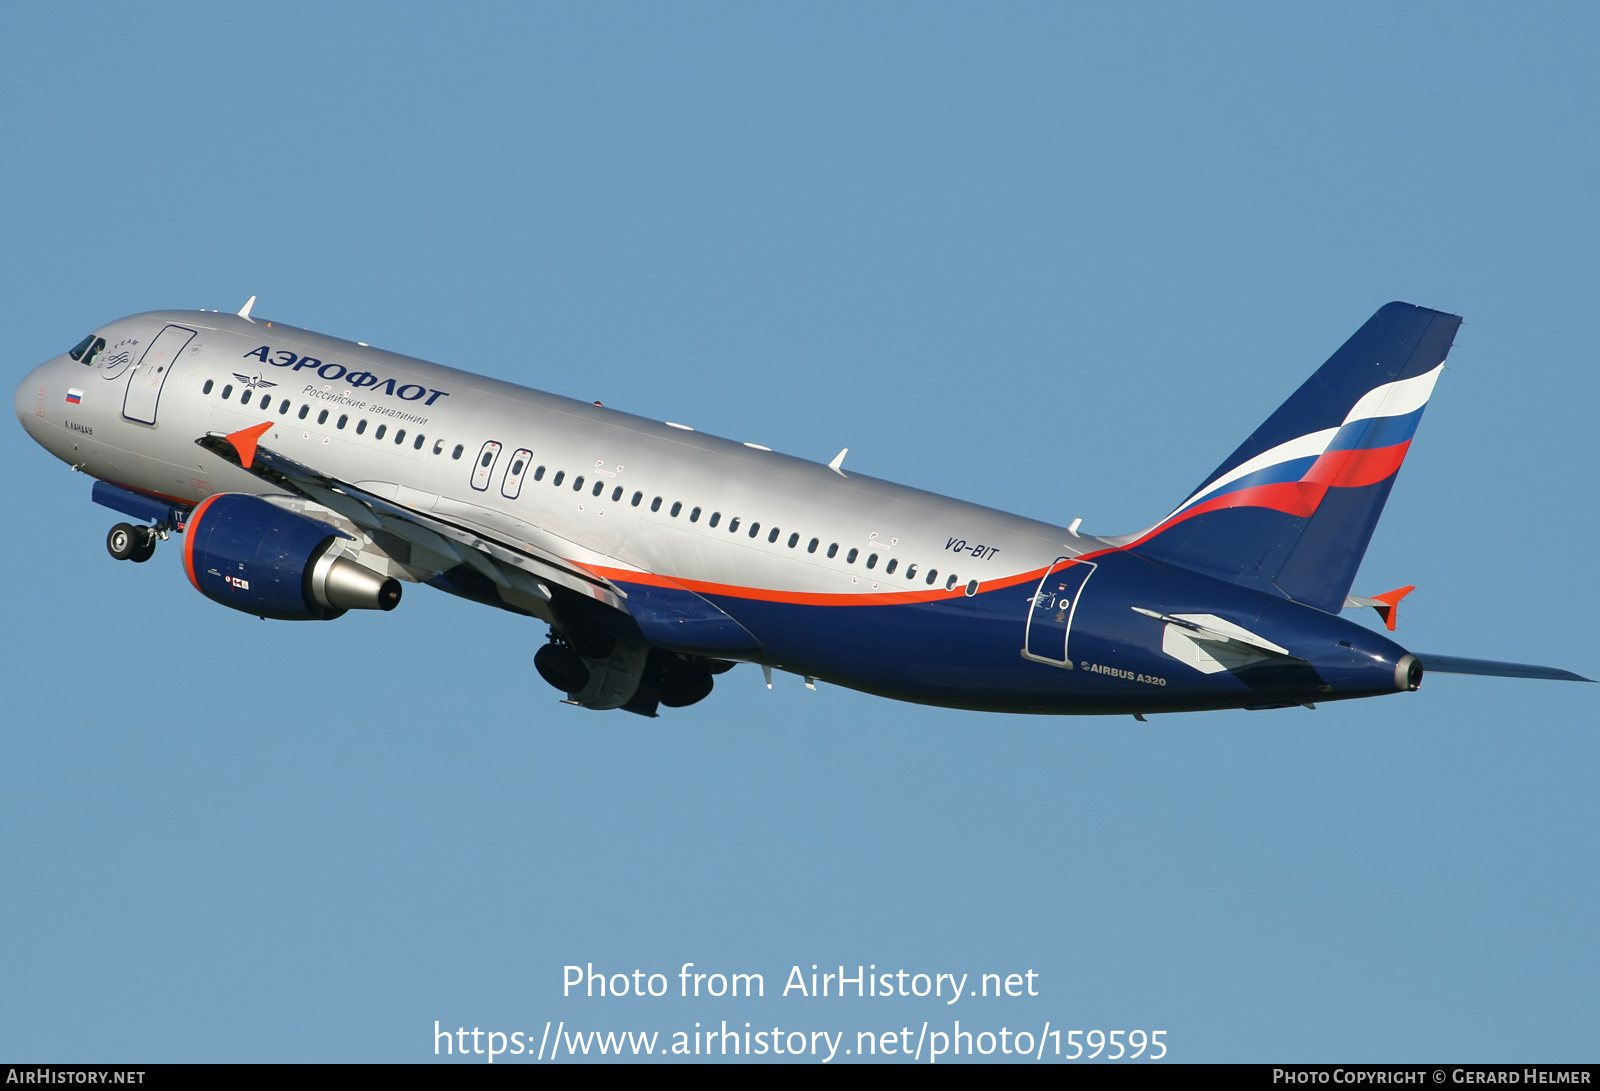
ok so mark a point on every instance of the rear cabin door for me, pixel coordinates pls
(1055, 602)
(144, 385)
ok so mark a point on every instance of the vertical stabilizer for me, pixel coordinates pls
(1292, 510)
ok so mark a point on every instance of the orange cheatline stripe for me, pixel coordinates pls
(804, 598)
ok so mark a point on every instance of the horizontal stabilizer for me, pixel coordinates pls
(1454, 664)
(1211, 644)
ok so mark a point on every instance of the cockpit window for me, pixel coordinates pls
(86, 350)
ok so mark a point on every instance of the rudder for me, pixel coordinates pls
(1292, 510)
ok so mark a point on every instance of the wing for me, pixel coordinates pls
(453, 551)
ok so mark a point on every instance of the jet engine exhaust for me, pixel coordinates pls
(341, 584)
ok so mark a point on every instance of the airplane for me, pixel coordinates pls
(310, 476)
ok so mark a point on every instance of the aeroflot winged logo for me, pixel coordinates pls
(252, 381)
(334, 372)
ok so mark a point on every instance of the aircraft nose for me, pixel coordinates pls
(41, 389)
(32, 395)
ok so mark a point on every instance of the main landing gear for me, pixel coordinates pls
(127, 542)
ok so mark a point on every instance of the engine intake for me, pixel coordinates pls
(255, 557)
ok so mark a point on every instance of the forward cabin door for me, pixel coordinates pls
(144, 385)
(1055, 601)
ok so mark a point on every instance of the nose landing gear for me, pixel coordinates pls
(127, 542)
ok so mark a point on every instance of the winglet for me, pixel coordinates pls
(244, 441)
(244, 312)
(1388, 604)
(838, 460)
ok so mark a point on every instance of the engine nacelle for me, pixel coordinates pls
(628, 676)
(260, 559)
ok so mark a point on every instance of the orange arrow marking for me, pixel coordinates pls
(1390, 609)
(244, 441)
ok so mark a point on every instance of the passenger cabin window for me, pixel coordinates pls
(399, 437)
(677, 506)
(811, 547)
(911, 571)
(794, 540)
(483, 468)
(655, 505)
(538, 475)
(558, 478)
(833, 551)
(638, 496)
(457, 453)
(283, 406)
(872, 559)
(227, 392)
(933, 575)
(438, 444)
(344, 419)
(950, 584)
(616, 494)
(972, 587)
(512, 485)
(733, 525)
(755, 528)
(850, 558)
(772, 536)
(361, 426)
(577, 483)
(894, 562)
(382, 428)
(207, 388)
(694, 516)
(417, 445)
(599, 487)
(716, 517)
(304, 409)
(322, 417)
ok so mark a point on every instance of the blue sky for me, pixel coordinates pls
(1056, 259)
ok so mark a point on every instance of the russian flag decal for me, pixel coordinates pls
(74, 396)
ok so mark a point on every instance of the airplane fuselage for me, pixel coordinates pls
(831, 574)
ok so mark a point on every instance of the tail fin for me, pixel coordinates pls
(1292, 510)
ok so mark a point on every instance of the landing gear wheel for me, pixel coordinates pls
(123, 541)
(147, 545)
